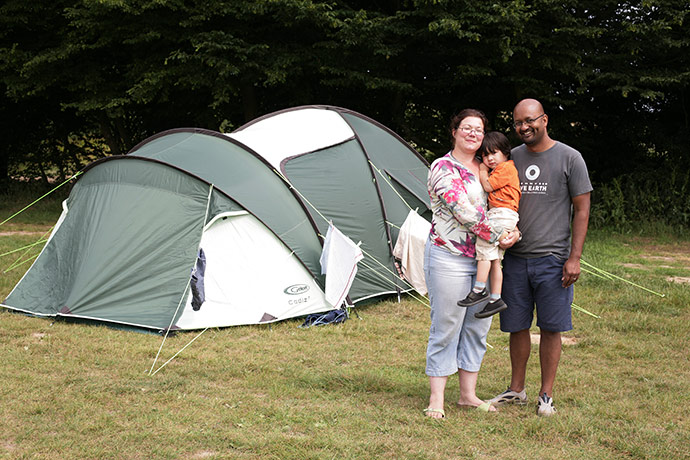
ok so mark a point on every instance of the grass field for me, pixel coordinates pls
(355, 390)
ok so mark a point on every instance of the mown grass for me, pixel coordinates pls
(356, 390)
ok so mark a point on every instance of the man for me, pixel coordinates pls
(541, 267)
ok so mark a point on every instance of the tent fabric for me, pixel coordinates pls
(124, 250)
(246, 265)
(256, 201)
(237, 171)
(310, 130)
(338, 183)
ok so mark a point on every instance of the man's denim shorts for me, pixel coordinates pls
(530, 282)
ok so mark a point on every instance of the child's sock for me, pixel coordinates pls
(478, 287)
(494, 297)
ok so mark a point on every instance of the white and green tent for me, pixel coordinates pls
(257, 202)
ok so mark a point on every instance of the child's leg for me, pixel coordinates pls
(478, 292)
(483, 268)
(496, 278)
(495, 303)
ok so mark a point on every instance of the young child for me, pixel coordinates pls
(503, 187)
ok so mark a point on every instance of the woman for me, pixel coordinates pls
(457, 340)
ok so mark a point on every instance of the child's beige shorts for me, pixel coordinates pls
(502, 217)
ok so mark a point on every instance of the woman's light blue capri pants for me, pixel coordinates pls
(456, 338)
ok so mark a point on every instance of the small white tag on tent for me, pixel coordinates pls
(410, 249)
(339, 263)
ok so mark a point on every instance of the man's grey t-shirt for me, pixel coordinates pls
(548, 180)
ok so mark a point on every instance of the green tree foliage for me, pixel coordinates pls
(613, 75)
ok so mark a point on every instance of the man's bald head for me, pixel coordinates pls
(531, 123)
(530, 105)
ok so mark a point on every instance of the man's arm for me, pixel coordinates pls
(571, 269)
(510, 240)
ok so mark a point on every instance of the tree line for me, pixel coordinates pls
(84, 79)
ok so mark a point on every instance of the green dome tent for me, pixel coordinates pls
(257, 202)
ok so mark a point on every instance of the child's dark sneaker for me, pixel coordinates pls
(473, 298)
(491, 308)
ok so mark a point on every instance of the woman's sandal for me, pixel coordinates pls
(483, 407)
(430, 410)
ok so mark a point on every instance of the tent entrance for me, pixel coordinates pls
(250, 277)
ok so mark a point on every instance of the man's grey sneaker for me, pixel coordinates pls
(491, 308)
(473, 298)
(545, 406)
(510, 397)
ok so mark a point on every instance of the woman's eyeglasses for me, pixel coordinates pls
(468, 129)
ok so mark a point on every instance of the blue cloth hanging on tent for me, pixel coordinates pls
(198, 291)
(329, 317)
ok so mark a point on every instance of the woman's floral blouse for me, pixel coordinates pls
(458, 202)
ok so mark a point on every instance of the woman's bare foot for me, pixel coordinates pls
(434, 413)
(435, 407)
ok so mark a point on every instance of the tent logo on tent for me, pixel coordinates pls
(296, 289)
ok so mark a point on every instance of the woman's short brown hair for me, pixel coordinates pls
(461, 115)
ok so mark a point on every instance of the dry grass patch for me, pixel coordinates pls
(669, 257)
(678, 279)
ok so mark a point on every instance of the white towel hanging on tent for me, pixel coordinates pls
(339, 263)
(409, 248)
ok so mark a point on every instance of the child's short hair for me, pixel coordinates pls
(493, 141)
